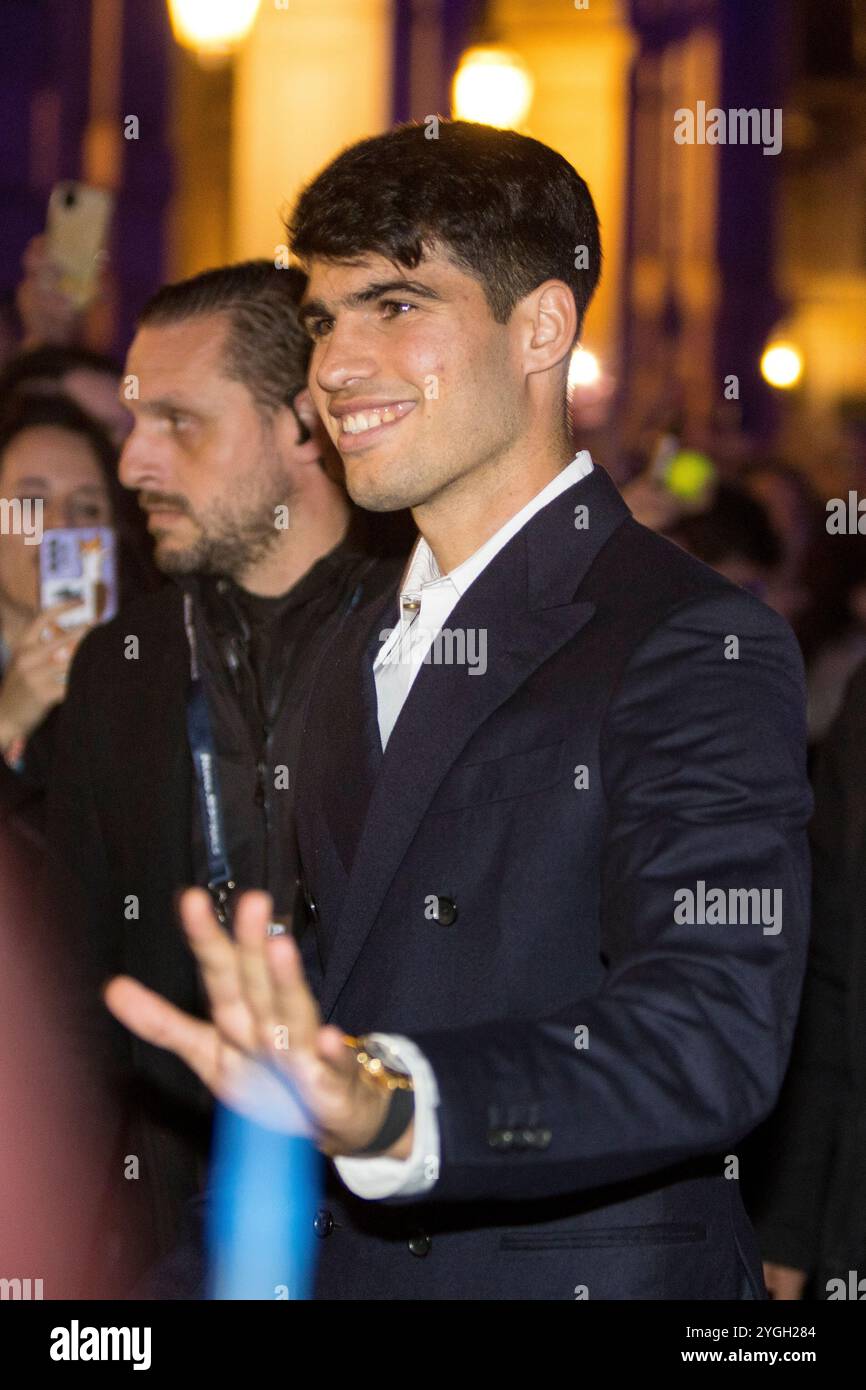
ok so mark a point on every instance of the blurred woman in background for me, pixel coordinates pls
(50, 451)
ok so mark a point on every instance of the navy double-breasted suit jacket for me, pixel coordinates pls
(639, 730)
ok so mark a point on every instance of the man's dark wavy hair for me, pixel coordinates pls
(507, 209)
(266, 348)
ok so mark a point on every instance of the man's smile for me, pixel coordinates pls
(363, 422)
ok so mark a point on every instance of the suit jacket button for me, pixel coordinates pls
(446, 912)
(420, 1244)
(323, 1224)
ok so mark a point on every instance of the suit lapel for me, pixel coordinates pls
(346, 740)
(525, 603)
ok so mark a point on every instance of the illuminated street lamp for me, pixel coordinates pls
(782, 365)
(212, 28)
(591, 389)
(492, 85)
(584, 369)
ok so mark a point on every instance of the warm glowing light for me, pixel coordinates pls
(688, 473)
(782, 365)
(584, 369)
(493, 86)
(212, 27)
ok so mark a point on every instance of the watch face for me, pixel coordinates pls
(383, 1054)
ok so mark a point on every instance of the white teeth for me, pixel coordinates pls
(368, 420)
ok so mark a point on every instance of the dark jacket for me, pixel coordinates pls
(124, 829)
(599, 1169)
(809, 1204)
(23, 788)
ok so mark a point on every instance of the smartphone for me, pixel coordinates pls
(77, 228)
(79, 562)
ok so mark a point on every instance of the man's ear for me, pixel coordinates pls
(314, 444)
(299, 429)
(306, 411)
(550, 325)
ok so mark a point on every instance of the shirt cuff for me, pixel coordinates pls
(378, 1177)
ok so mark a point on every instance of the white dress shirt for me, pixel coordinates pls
(427, 598)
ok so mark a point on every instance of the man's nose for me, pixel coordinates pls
(140, 464)
(347, 355)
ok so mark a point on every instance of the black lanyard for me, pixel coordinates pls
(204, 758)
(220, 881)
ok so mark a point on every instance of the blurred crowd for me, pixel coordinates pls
(765, 527)
(70, 435)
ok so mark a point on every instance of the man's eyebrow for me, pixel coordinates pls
(166, 405)
(317, 308)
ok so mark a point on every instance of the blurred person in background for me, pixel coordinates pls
(47, 314)
(88, 378)
(734, 536)
(816, 581)
(819, 586)
(805, 1181)
(8, 330)
(246, 504)
(52, 453)
(794, 514)
(53, 357)
(62, 1233)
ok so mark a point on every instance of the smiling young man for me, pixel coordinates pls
(492, 861)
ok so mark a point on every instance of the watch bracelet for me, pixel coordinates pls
(398, 1115)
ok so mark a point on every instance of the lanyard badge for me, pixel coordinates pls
(203, 750)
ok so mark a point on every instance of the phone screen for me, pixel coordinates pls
(79, 562)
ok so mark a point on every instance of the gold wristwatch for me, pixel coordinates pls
(372, 1056)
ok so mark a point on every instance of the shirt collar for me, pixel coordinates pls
(422, 568)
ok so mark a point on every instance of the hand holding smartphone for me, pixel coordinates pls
(77, 231)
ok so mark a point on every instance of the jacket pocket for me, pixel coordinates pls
(500, 779)
(663, 1233)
